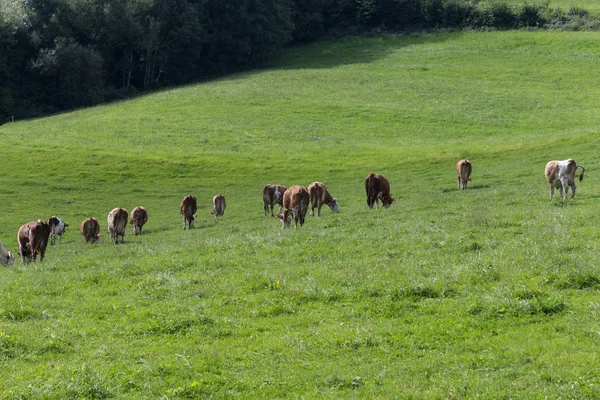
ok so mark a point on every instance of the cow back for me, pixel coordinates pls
(188, 205)
(39, 232)
(139, 216)
(90, 229)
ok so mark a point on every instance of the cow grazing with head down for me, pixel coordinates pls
(117, 221)
(561, 175)
(273, 194)
(218, 203)
(33, 239)
(6, 257)
(378, 188)
(139, 216)
(57, 228)
(463, 172)
(188, 211)
(90, 229)
(319, 196)
(295, 204)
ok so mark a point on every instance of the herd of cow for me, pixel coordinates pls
(293, 204)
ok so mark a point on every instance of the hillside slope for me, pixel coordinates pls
(488, 293)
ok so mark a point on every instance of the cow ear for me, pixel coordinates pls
(66, 225)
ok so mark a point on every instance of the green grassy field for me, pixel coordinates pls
(489, 293)
(592, 6)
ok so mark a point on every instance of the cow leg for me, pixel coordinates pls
(184, 222)
(319, 210)
(551, 191)
(573, 187)
(52, 239)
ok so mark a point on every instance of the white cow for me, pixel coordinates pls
(561, 175)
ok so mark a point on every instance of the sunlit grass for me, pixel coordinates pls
(487, 293)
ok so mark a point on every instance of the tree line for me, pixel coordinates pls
(62, 54)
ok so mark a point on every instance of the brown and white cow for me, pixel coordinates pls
(463, 172)
(295, 204)
(319, 196)
(273, 194)
(33, 239)
(378, 188)
(188, 211)
(6, 257)
(139, 216)
(117, 221)
(90, 229)
(57, 228)
(561, 175)
(218, 203)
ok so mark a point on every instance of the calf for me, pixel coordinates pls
(6, 257)
(90, 229)
(117, 221)
(218, 204)
(319, 196)
(57, 228)
(273, 194)
(463, 172)
(295, 204)
(188, 211)
(33, 239)
(561, 175)
(378, 188)
(139, 216)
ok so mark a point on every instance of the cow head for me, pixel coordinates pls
(334, 206)
(8, 259)
(286, 218)
(387, 201)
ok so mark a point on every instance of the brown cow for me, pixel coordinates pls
(188, 211)
(295, 204)
(218, 203)
(463, 171)
(319, 196)
(273, 194)
(139, 216)
(6, 257)
(90, 229)
(57, 228)
(378, 188)
(117, 221)
(561, 174)
(33, 239)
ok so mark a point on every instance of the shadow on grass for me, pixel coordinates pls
(474, 187)
(354, 50)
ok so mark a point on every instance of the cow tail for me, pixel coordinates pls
(582, 171)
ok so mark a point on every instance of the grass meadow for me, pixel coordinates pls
(488, 293)
(591, 6)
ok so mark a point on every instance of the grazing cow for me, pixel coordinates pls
(295, 204)
(117, 221)
(273, 194)
(561, 174)
(188, 211)
(33, 239)
(463, 171)
(57, 228)
(218, 205)
(378, 188)
(90, 229)
(139, 216)
(6, 257)
(319, 196)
